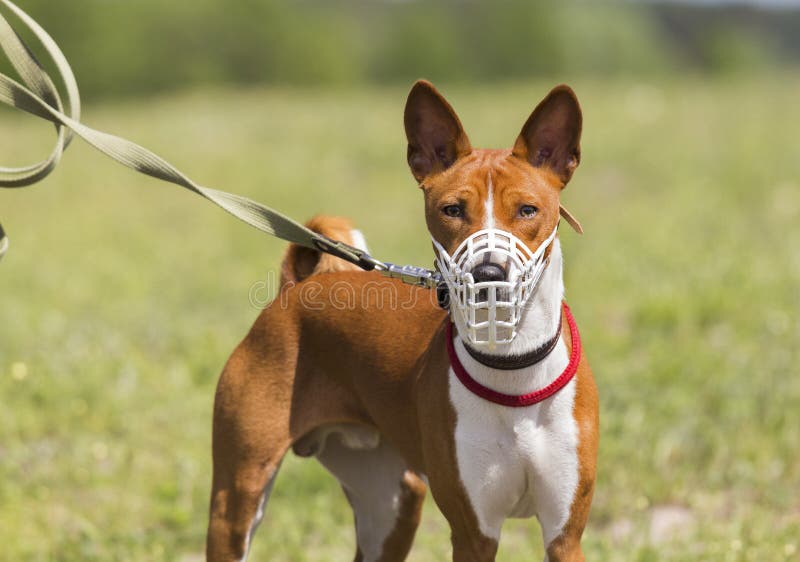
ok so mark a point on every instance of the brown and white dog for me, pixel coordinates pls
(371, 391)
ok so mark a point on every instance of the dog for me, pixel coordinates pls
(490, 404)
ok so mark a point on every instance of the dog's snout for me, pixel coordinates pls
(488, 272)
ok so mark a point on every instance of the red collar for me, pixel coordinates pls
(518, 401)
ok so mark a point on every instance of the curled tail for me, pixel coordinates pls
(300, 262)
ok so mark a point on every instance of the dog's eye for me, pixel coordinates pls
(527, 211)
(454, 211)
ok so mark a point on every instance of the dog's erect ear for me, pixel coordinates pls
(551, 137)
(435, 136)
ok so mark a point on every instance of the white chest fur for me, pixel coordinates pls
(519, 462)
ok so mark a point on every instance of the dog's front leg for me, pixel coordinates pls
(470, 544)
(562, 532)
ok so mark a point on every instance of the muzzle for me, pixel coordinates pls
(488, 312)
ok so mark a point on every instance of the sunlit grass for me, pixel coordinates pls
(121, 298)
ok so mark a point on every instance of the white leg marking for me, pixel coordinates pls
(372, 479)
(259, 513)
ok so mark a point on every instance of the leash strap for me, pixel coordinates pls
(39, 96)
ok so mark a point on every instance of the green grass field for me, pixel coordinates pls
(122, 297)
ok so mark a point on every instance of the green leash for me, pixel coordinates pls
(39, 96)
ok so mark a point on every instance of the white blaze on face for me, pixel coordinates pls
(489, 223)
(488, 220)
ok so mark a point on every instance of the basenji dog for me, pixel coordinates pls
(491, 405)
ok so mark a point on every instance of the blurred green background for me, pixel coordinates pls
(118, 314)
(145, 46)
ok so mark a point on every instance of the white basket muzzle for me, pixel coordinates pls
(488, 313)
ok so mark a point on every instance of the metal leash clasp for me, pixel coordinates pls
(409, 274)
(412, 275)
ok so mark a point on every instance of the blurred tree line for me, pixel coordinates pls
(141, 46)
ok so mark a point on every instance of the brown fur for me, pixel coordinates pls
(385, 366)
(566, 548)
(300, 262)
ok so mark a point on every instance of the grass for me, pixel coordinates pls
(122, 297)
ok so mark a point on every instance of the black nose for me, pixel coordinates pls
(488, 272)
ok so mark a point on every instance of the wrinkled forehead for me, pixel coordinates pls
(495, 173)
(492, 186)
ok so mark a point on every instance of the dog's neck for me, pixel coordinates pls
(540, 321)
